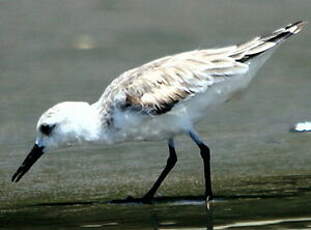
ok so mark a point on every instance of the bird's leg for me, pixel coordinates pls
(205, 154)
(171, 161)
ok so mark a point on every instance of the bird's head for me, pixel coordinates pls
(65, 124)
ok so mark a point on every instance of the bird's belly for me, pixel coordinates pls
(132, 126)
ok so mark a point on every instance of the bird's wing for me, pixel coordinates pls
(156, 87)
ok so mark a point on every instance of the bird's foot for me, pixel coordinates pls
(144, 200)
(208, 200)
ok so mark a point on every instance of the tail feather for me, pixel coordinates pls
(261, 44)
(283, 33)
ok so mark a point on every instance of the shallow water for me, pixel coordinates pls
(238, 213)
(71, 50)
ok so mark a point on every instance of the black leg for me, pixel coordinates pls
(171, 161)
(205, 154)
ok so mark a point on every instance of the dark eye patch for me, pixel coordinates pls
(46, 129)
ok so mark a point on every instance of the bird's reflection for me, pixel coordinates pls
(201, 216)
(186, 212)
(179, 223)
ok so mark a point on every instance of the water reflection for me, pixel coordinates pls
(167, 214)
(84, 42)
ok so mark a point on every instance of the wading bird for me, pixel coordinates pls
(157, 100)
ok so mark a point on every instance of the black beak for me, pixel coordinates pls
(32, 157)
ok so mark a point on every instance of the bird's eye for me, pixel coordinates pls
(46, 129)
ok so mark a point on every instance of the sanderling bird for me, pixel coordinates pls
(157, 100)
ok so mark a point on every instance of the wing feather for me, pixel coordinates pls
(158, 88)
(154, 88)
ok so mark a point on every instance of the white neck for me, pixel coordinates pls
(80, 122)
(87, 124)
